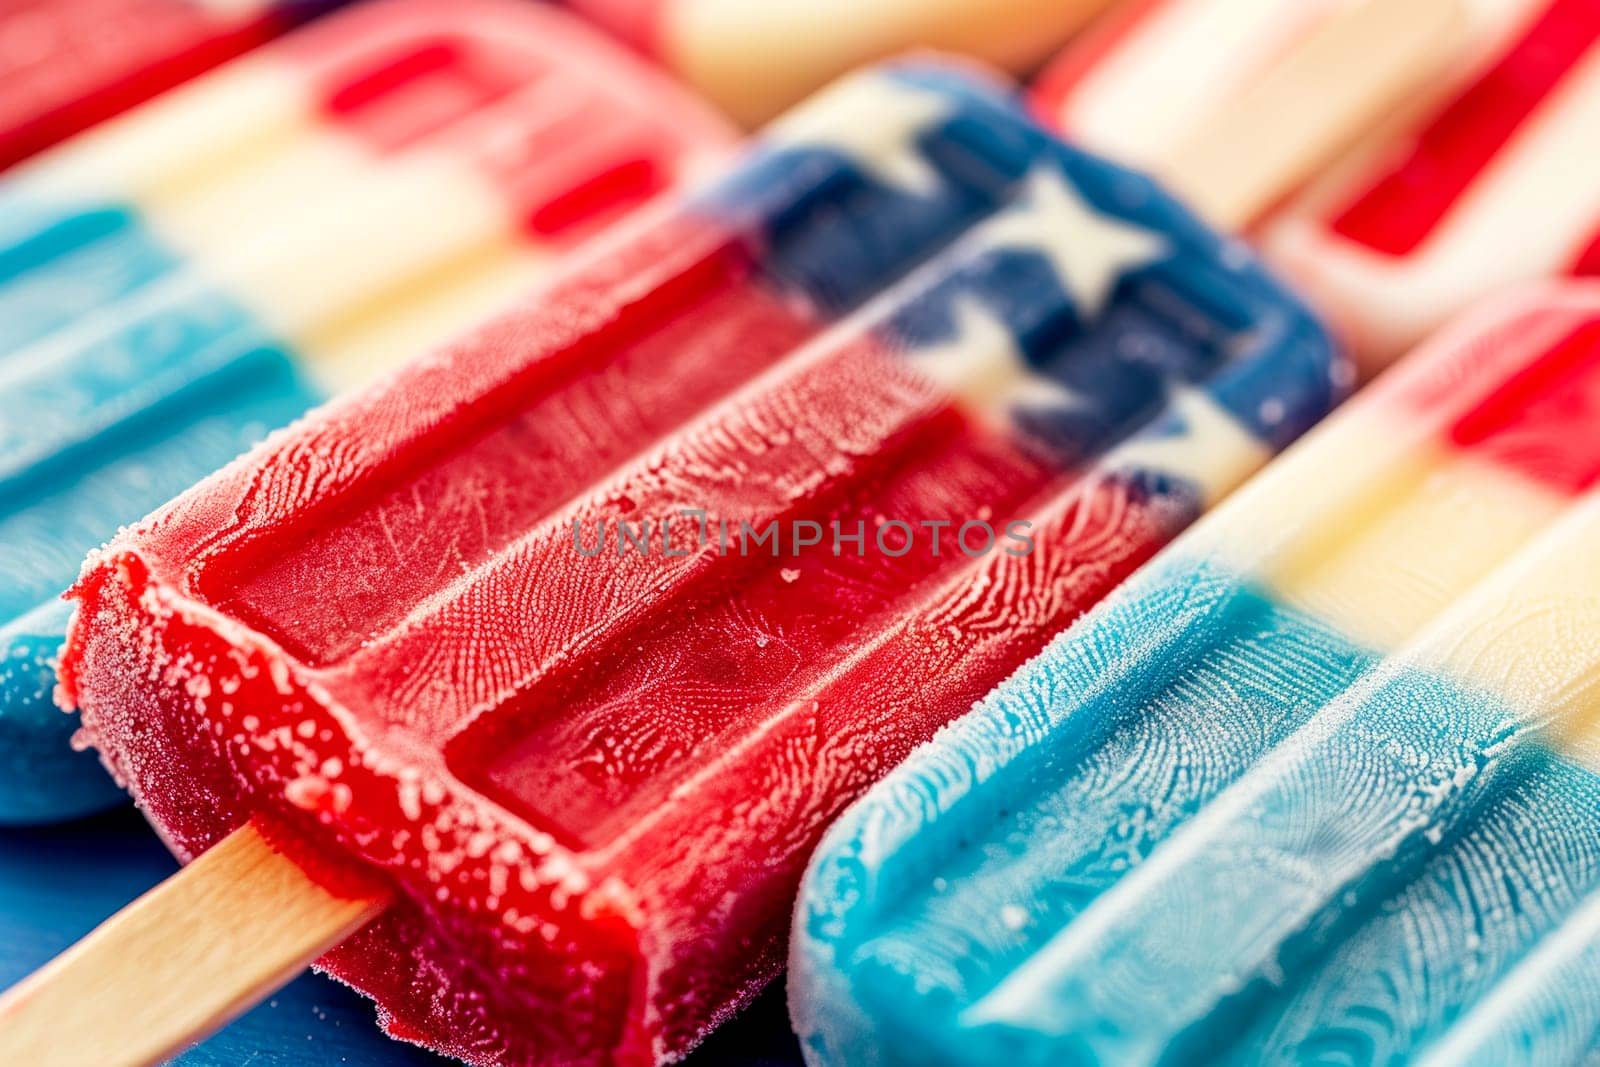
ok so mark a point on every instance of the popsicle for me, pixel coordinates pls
(1322, 782)
(199, 271)
(67, 64)
(1489, 188)
(755, 59)
(584, 763)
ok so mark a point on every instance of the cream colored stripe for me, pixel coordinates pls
(161, 153)
(1372, 531)
(1214, 453)
(408, 320)
(1531, 632)
(1305, 489)
(1421, 536)
(266, 186)
(359, 262)
(244, 164)
(329, 259)
(1180, 64)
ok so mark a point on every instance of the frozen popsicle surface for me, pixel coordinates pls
(181, 280)
(1320, 782)
(592, 748)
(1486, 188)
(67, 64)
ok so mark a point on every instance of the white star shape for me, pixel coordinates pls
(1214, 453)
(874, 121)
(984, 367)
(1088, 250)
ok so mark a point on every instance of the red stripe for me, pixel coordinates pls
(1403, 205)
(1588, 263)
(602, 194)
(1542, 420)
(396, 97)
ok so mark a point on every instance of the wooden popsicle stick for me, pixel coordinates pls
(179, 962)
(1318, 98)
(242, 920)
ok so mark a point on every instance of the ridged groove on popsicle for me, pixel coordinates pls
(816, 424)
(1544, 1011)
(642, 318)
(1176, 859)
(1311, 842)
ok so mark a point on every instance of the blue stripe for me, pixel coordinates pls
(1421, 960)
(1093, 773)
(1376, 888)
(47, 525)
(41, 778)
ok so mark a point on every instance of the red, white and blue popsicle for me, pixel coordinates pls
(68, 64)
(1321, 782)
(910, 319)
(180, 280)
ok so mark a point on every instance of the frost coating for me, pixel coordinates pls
(593, 780)
(148, 336)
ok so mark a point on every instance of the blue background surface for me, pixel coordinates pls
(58, 883)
